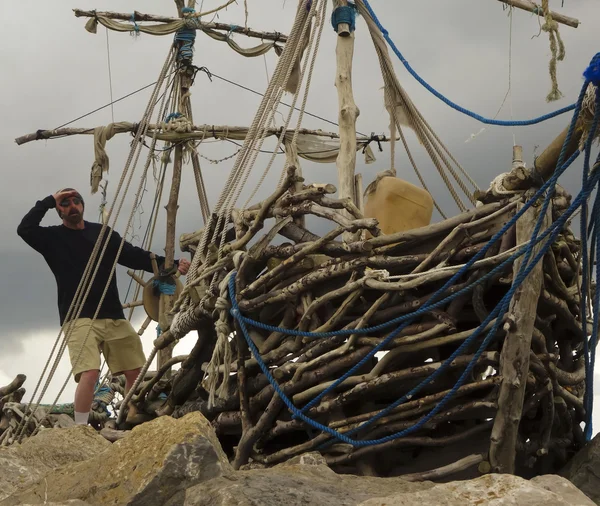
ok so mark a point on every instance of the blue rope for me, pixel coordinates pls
(186, 36)
(498, 312)
(592, 73)
(344, 14)
(165, 287)
(135, 25)
(452, 104)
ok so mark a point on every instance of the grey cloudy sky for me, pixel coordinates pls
(54, 71)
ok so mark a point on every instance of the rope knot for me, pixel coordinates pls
(186, 37)
(592, 73)
(164, 287)
(221, 303)
(222, 328)
(136, 28)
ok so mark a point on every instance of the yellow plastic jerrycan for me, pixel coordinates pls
(397, 204)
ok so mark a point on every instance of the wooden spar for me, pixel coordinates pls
(514, 359)
(526, 5)
(545, 164)
(167, 301)
(274, 36)
(198, 132)
(349, 112)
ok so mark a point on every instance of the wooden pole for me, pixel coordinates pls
(349, 112)
(139, 16)
(526, 5)
(167, 301)
(199, 132)
(514, 359)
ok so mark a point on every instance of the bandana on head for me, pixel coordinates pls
(77, 194)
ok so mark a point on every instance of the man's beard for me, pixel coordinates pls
(74, 218)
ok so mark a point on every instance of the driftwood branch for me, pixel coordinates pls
(526, 5)
(138, 16)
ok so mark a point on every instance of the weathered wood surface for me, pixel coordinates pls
(348, 113)
(514, 360)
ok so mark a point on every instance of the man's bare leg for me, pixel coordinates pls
(130, 377)
(84, 395)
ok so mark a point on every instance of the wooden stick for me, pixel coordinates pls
(526, 5)
(514, 361)
(138, 16)
(348, 113)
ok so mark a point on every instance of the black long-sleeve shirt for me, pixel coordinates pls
(67, 252)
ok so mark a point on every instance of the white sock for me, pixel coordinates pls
(81, 418)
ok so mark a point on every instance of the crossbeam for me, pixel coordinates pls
(198, 132)
(529, 6)
(138, 16)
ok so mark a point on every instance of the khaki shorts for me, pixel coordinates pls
(115, 339)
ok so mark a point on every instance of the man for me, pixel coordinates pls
(67, 249)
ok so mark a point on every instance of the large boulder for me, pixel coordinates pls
(312, 483)
(584, 469)
(152, 466)
(23, 464)
(295, 485)
(492, 490)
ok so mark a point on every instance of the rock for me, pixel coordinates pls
(562, 487)
(61, 421)
(73, 502)
(584, 470)
(295, 485)
(491, 490)
(23, 464)
(152, 466)
(306, 459)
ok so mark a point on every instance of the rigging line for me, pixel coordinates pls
(282, 103)
(214, 75)
(112, 106)
(107, 105)
(508, 95)
(510, 38)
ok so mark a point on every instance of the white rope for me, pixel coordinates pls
(242, 167)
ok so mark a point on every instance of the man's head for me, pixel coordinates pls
(70, 206)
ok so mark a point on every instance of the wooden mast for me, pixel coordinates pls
(348, 112)
(167, 301)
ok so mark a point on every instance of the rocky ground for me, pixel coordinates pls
(180, 462)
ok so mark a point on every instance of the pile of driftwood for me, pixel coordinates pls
(521, 409)
(20, 420)
(13, 411)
